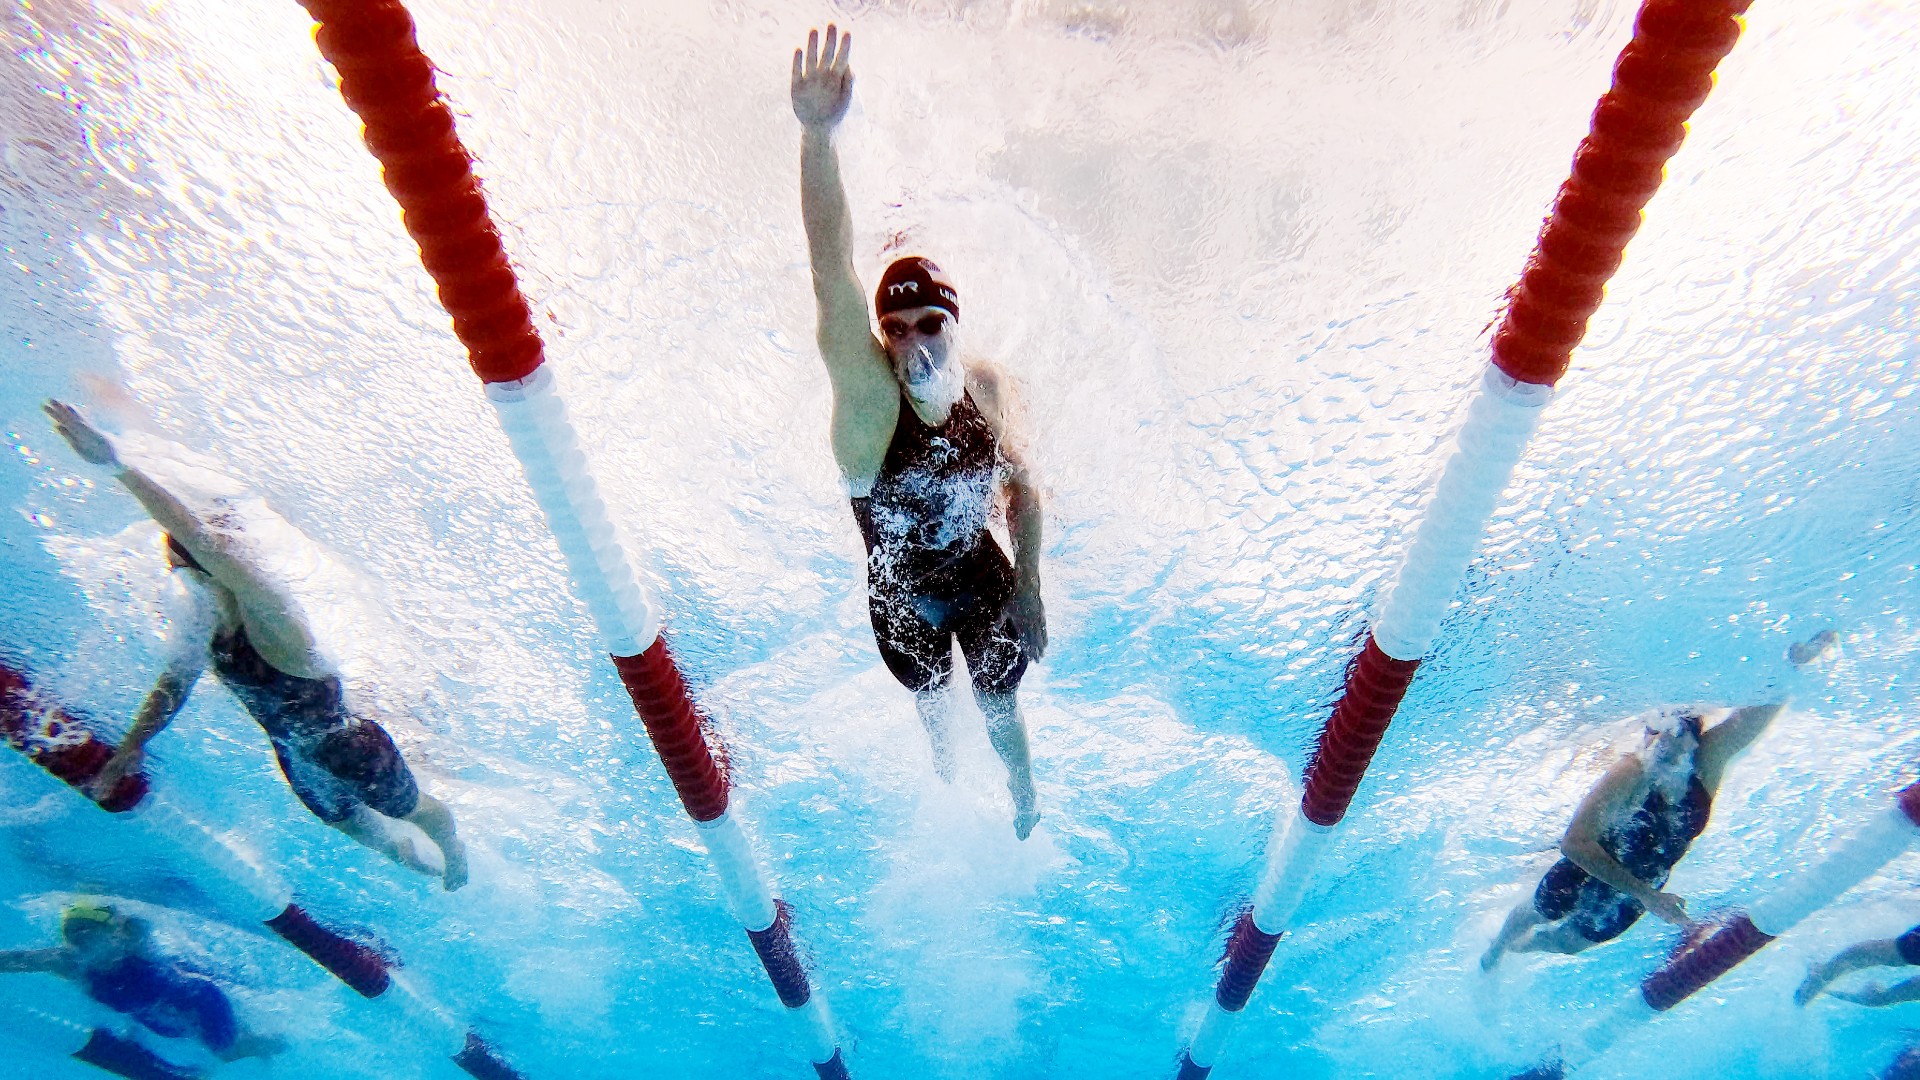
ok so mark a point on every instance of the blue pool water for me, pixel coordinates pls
(1242, 254)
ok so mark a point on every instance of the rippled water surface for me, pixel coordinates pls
(1243, 256)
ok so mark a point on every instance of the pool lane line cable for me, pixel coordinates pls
(1661, 77)
(390, 84)
(1694, 966)
(64, 745)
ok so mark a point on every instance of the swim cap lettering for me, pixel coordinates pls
(914, 282)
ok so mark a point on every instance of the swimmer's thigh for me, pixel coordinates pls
(316, 788)
(996, 659)
(1554, 897)
(1606, 913)
(918, 654)
(364, 759)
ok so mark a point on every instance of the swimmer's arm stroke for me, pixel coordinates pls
(50, 961)
(997, 398)
(1884, 952)
(251, 584)
(1581, 844)
(157, 710)
(1724, 741)
(864, 390)
(1876, 995)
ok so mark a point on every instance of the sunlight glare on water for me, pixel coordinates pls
(1242, 255)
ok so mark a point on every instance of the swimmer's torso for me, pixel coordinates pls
(934, 494)
(1653, 838)
(291, 708)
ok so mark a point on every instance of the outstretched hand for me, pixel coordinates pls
(822, 81)
(86, 440)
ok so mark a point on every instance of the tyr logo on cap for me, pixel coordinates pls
(915, 282)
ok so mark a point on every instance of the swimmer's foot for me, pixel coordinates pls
(455, 854)
(1817, 647)
(407, 854)
(1491, 958)
(1026, 813)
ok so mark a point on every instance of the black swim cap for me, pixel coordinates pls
(915, 282)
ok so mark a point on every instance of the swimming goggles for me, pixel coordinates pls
(929, 325)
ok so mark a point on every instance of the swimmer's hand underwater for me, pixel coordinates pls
(86, 440)
(1027, 616)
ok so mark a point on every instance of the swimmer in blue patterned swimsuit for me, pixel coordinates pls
(1629, 832)
(225, 609)
(112, 957)
(927, 444)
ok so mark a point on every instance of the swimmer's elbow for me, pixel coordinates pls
(1580, 848)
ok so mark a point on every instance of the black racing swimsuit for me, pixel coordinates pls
(333, 759)
(1648, 844)
(934, 572)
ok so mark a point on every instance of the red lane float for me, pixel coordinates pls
(389, 83)
(96, 1046)
(61, 741)
(1659, 80)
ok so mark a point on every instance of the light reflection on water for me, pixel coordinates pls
(1242, 256)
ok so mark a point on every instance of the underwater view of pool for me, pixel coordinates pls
(1241, 260)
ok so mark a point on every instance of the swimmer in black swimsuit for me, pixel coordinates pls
(1902, 951)
(927, 446)
(112, 957)
(1629, 832)
(226, 609)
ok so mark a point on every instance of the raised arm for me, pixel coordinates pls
(864, 392)
(1608, 799)
(209, 545)
(1724, 741)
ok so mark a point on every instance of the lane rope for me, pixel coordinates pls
(64, 744)
(389, 83)
(1661, 77)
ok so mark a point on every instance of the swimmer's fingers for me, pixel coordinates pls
(845, 64)
(85, 439)
(813, 52)
(798, 72)
(826, 55)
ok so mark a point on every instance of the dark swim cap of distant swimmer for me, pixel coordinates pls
(914, 282)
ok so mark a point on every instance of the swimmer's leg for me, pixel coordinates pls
(434, 819)
(1008, 731)
(371, 830)
(936, 713)
(1564, 938)
(1520, 920)
(252, 1044)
